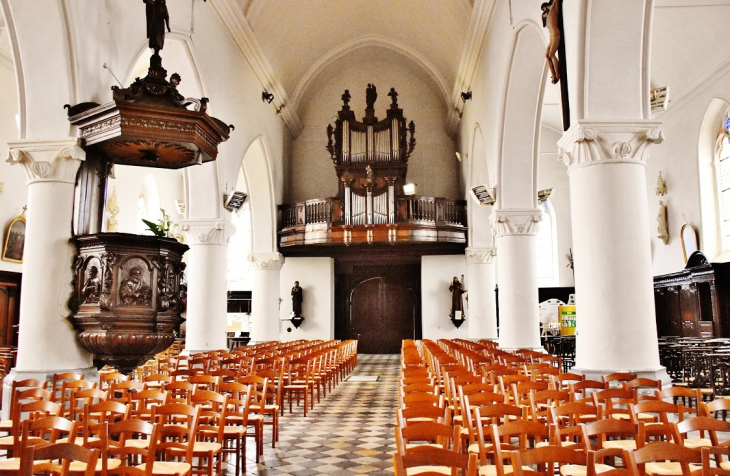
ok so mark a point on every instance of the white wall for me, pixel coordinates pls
(316, 277)
(436, 275)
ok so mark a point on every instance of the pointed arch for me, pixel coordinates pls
(520, 118)
(260, 185)
(480, 234)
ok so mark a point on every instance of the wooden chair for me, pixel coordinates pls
(80, 399)
(549, 460)
(663, 458)
(106, 380)
(447, 461)
(32, 410)
(416, 436)
(176, 423)
(236, 423)
(41, 431)
(300, 383)
(57, 382)
(564, 380)
(615, 402)
(721, 466)
(205, 382)
(143, 403)
(496, 442)
(582, 391)
(273, 404)
(541, 402)
(179, 391)
(47, 456)
(209, 435)
(123, 391)
(617, 379)
(707, 427)
(17, 387)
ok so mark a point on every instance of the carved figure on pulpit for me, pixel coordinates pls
(92, 287)
(133, 290)
(457, 302)
(296, 300)
(157, 20)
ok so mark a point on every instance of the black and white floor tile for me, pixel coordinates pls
(348, 433)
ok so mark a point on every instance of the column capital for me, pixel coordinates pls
(207, 232)
(48, 160)
(266, 261)
(481, 255)
(515, 221)
(589, 143)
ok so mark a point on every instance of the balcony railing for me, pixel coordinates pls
(413, 219)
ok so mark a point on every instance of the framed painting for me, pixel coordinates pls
(15, 241)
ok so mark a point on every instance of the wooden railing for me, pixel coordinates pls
(322, 221)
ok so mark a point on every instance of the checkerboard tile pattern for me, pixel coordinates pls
(348, 433)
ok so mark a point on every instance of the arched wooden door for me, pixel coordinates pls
(381, 307)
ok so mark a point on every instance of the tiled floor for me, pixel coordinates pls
(348, 433)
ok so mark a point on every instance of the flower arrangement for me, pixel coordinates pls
(165, 227)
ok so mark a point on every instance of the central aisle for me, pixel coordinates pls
(348, 433)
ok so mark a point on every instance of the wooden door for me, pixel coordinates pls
(9, 308)
(380, 306)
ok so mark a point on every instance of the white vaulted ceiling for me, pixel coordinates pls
(301, 42)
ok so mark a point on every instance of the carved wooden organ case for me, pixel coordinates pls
(371, 160)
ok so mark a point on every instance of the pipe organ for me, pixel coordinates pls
(371, 161)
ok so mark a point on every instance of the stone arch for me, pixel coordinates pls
(520, 119)
(262, 200)
(710, 241)
(480, 234)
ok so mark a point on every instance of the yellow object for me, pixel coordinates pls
(567, 320)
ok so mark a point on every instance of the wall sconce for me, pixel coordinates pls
(466, 96)
(409, 188)
(267, 96)
(234, 201)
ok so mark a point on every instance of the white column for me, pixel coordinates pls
(616, 327)
(480, 281)
(46, 340)
(207, 264)
(265, 269)
(515, 230)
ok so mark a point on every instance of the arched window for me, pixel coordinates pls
(547, 247)
(722, 177)
(239, 247)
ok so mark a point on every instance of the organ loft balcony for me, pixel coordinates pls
(371, 162)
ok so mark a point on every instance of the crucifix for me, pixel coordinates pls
(552, 19)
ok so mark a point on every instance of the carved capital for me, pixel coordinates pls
(601, 143)
(266, 261)
(515, 221)
(48, 160)
(207, 232)
(481, 255)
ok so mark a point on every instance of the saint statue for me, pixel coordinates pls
(133, 290)
(457, 303)
(157, 20)
(92, 287)
(661, 221)
(296, 300)
(371, 95)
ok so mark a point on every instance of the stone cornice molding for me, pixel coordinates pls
(48, 160)
(515, 222)
(207, 232)
(243, 35)
(481, 255)
(266, 261)
(589, 143)
(475, 37)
